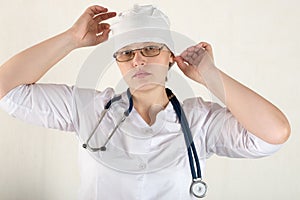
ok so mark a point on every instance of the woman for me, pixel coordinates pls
(150, 160)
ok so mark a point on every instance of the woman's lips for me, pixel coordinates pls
(141, 74)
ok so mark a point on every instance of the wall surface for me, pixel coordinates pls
(256, 42)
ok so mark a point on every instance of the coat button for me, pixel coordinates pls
(142, 166)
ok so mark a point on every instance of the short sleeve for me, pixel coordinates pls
(47, 105)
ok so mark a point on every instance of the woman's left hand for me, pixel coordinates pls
(195, 60)
(253, 112)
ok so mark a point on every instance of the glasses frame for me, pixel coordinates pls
(115, 55)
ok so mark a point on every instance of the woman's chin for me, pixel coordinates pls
(145, 87)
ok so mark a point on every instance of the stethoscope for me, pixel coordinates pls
(198, 187)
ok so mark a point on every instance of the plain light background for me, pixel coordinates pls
(256, 42)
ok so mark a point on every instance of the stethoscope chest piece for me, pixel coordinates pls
(198, 188)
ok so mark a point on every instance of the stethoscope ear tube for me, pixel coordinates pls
(129, 96)
(86, 144)
(106, 108)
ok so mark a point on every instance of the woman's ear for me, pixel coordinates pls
(171, 60)
(171, 57)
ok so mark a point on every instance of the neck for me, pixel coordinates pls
(149, 102)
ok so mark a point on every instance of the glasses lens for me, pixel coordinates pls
(124, 55)
(150, 51)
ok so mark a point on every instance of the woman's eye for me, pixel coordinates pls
(150, 48)
(128, 52)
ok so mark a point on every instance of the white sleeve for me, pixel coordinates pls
(225, 136)
(47, 105)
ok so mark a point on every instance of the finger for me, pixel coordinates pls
(194, 56)
(103, 36)
(191, 49)
(101, 27)
(104, 16)
(207, 47)
(187, 57)
(204, 45)
(180, 62)
(190, 54)
(184, 53)
(94, 10)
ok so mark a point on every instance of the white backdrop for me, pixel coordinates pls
(256, 42)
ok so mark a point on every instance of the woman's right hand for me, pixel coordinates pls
(89, 30)
(30, 65)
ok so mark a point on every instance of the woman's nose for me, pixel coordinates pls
(138, 59)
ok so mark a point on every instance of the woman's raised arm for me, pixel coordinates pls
(30, 65)
(254, 112)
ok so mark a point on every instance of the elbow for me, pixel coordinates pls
(282, 133)
(285, 133)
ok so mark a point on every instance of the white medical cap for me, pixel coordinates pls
(142, 24)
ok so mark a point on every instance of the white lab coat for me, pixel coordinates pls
(142, 162)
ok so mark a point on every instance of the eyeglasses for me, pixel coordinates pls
(148, 51)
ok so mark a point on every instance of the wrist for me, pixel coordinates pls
(206, 74)
(72, 39)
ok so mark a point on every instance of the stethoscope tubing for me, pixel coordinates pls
(106, 108)
(192, 152)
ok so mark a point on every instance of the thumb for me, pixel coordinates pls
(103, 36)
(180, 62)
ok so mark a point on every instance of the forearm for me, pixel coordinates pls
(31, 64)
(255, 113)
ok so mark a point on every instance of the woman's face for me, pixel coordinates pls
(144, 64)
